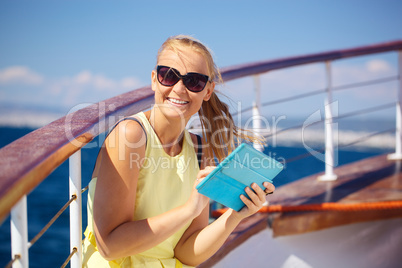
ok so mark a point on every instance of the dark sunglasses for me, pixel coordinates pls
(168, 76)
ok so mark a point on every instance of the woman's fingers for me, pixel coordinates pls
(204, 172)
(259, 193)
(246, 201)
(256, 196)
(269, 188)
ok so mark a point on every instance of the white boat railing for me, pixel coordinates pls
(75, 209)
(19, 177)
(398, 134)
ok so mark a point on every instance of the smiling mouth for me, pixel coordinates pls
(176, 101)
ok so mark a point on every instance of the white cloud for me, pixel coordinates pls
(20, 75)
(83, 77)
(89, 87)
(130, 82)
(19, 84)
(378, 66)
(307, 77)
(102, 82)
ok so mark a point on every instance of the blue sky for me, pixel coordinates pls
(57, 54)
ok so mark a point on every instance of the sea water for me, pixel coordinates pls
(45, 200)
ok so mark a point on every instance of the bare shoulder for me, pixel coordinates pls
(125, 142)
(128, 133)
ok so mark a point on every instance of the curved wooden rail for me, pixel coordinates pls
(29, 160)
(244, 70)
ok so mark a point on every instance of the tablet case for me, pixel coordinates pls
(240, 169)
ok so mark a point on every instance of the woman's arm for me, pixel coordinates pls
(117, 235)
(199, 243)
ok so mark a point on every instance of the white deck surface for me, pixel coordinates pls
(370, 244)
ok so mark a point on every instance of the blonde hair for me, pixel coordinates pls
(220, 134)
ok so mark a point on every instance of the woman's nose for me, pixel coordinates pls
(180, 87)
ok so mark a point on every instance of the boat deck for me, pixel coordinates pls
(375, 179)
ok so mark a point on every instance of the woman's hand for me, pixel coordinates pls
(197, 201)
(257, 199)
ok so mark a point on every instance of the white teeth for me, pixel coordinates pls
(177, 101)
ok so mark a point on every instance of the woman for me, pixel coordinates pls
(143, 208)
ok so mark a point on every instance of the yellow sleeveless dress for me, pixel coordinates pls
(164, 182)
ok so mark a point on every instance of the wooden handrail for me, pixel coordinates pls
(29, 160)
(238, 71)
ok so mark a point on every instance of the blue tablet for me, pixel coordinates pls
(240, 169)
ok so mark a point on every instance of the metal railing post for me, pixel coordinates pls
(329, 141)
(75, 209)
(398, 133)
(256, 112)
(19, 234)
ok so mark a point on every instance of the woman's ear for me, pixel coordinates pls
(210, 90)
(153, 80)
